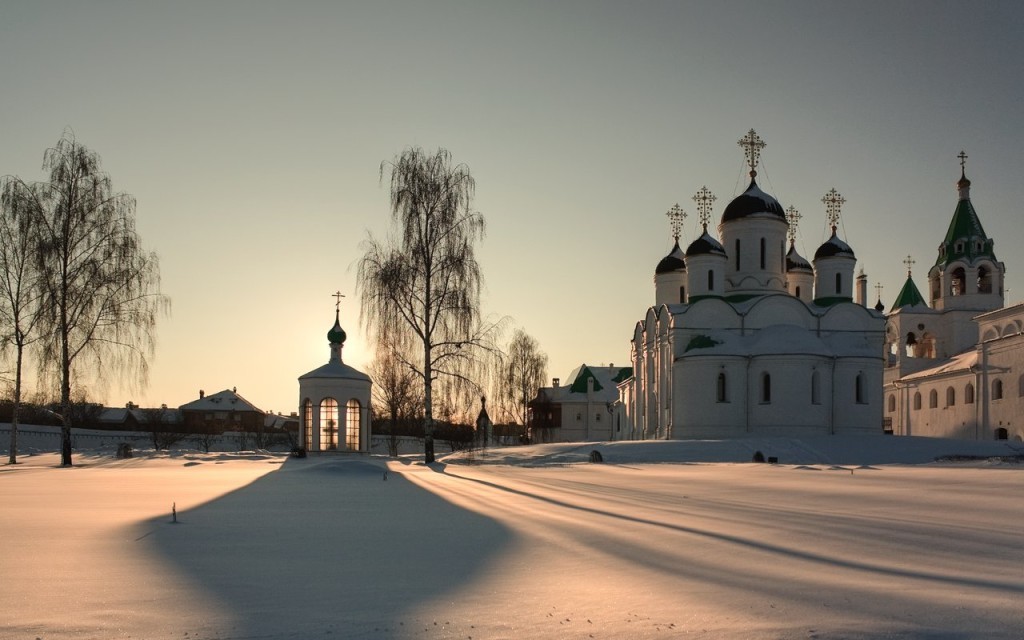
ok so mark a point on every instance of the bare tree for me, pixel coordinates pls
(420, 291)
(523, 371)
(20, 289)
(394, 391)
(162, 433)
(101, 288)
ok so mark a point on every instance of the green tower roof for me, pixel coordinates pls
(965, 238)
(909, 296)
(336, 335)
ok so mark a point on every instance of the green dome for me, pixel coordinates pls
(336, 335)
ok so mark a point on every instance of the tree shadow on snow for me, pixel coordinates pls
(326, 545)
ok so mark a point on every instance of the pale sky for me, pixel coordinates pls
(251, 135)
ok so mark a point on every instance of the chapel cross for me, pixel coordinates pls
(833, 206)
(337, 295)
(676, 215)
(963, 158)
(752, 145)
(793, 218)
(909, 262)
(704, 198)
(878, 290)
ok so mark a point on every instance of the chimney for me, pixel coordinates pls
(202, 394)
(862, 289)
(554, 382)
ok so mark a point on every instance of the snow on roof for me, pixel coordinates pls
(960, 362)
(226, 400)
(778, 340)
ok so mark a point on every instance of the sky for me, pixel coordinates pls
(252, 135)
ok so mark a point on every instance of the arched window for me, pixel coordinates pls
(892, 402)
(969, 394)
(721, 391)
(737, 254)
(798, 292)
(997, 390)
(328, 424)
(984, 280)
(858, 389)
(958, 282)
(815, 387)
(682, 295)
(950, 397)
(917, 401)
(1001, 433)
(763, 254)
(933, 399)
(911, 343)
(711, 280)
(352, 424)
(766, 388)
(839, 283)
(307, 424)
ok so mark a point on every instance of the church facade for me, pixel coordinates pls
(955, 365)
(748, 339)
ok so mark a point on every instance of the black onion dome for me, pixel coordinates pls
(672, 262)
(834, 248)
(751, 202)
(704, 245)
(796, 262)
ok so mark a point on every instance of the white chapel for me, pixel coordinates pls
(746, 338)
(334, 402)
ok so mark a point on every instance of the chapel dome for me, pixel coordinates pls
(834, 248)
(672, 262)
(705, 245)
(336, 335)
(796, 262)
(751, 202)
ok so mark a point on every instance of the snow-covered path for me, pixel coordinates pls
(333, 547)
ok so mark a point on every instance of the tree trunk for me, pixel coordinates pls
(65, 408)
(16, 409)
(428, 406)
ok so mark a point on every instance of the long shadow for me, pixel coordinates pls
(790, 552)
(327, 545)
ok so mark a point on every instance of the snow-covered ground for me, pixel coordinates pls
(841, 539)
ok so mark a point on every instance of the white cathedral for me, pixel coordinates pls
(749, 339)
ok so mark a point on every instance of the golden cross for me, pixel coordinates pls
(676, 215)
(337, 295)
(704, 198)
(793, 218)
(833, 206)
(963, 158)
(909, 262)
(752, 145)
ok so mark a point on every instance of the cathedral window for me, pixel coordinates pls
(721, 391)
(328, 424)
(307, 423)
(682, 295)
(766, 388)
(892, 403)
(815, 387)
(957, 285)
(997, 390)
(839, 283)
(763, 254)
(984, 280)
(579, 416)
(950, 397)
(858, 389)
(969, 394)
(1001, 433)
(352, 420)
(933, 399)
(917, 401)
(797, 291)
(711, 280)
(737, 254)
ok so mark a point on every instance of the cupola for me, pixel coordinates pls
(670, 274)
(834, 261)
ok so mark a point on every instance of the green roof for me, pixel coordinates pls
(961, 239)
(909, 296)
(579, 385)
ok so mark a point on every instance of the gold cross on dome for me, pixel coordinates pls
(793, 218)
(909, 262)
(704, 198)
(963, 158)
(878, 290)
(337, 295)
(833, 206)
(676, 215)
(752, 145)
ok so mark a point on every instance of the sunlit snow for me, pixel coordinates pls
(843, 538)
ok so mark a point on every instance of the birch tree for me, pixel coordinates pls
(101, 288)
(420, 289)
(523, 372)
